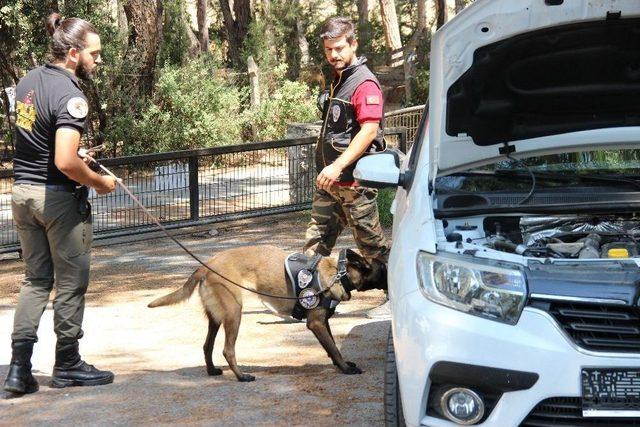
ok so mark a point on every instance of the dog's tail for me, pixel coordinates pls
(184, 292)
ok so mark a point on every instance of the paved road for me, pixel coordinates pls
(157, 353)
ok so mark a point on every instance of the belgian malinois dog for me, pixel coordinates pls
(261, 268)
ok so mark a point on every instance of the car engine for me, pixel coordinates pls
(573, 236)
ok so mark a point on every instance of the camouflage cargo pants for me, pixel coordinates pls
(355, 207)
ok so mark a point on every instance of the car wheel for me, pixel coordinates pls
(393, 416)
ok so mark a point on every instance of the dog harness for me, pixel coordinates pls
(302, 277)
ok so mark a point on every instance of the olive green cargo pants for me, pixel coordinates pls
(355, 207)
(56, 241)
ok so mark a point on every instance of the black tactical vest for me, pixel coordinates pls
(339, 118)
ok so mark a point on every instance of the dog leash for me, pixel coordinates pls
(84, 153)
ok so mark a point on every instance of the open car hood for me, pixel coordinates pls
(533, 77)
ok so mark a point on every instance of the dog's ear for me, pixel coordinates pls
(357, 260)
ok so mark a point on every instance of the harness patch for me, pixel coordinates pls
(305, 284)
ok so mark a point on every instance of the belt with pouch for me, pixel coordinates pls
(69, 188)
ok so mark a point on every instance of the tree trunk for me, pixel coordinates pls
(96, 105)
(460, 4)
(236, 27)
(363, 13)
(451, 9)
(194, 43)
(203, 28)
(410, 50)
(266, 8)
(7, 69)
(391, 31)
(364, 33)
(441, 13)
(123, 25)
(145, 19)
(303, 45)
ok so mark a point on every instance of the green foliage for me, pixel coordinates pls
(23, 36)
(285, 102)
(175, 42)
(385, 198)
(259, 44)
(196, 105)
(421, 83)
(192, 108)
(421, 89)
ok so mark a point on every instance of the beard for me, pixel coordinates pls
(343, 63)
(83, 71)
(339, 65)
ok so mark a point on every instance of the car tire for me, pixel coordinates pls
(393, 416)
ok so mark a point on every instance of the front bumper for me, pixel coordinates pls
(426, 333)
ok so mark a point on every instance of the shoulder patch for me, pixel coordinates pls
(373, 100)
(78, 107)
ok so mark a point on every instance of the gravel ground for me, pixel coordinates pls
(156, 354)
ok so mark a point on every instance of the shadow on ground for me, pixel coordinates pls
(315, 394)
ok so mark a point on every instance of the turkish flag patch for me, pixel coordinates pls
(373, 100)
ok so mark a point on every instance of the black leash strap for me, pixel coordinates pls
(191, 254)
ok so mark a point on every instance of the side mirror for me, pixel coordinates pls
(379, 170)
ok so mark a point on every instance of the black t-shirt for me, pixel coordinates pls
(47, 98)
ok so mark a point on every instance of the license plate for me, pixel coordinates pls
(611, 392)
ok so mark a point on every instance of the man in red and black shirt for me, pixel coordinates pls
(353, 124)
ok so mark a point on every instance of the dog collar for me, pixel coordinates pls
(345, 280)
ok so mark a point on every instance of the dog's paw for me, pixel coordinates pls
(246, 378)
(214, 371)
(351, 369)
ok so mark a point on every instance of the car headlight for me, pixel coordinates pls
(485, 288)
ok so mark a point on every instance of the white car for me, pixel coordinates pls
(514, 274)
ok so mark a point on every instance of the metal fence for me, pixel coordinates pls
(197, 186)
(408, 118)
(184, 188)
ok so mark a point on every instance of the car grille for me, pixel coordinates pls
(567, 411)
(598, 327)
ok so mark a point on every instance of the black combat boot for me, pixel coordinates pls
(71, 370)
(19, 379)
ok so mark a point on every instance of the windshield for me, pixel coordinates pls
(602, 168)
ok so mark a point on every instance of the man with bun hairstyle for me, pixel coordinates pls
(50, 208)
(353, 124)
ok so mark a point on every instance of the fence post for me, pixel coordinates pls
(194, 191)
(403, 139)
(302, 170)
(254, 82)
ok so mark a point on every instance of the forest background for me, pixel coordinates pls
(177, 73)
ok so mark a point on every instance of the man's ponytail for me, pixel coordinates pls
(53, 22)
(66, 34)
